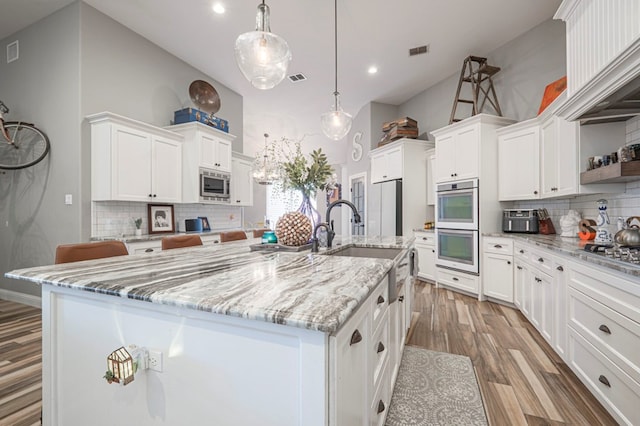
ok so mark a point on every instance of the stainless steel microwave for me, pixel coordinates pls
(214, 185)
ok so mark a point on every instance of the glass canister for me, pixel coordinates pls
(269, 237)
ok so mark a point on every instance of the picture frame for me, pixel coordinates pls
(205, 223)
(161, 219)
(334, 194)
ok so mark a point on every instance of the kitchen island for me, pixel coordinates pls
(246, 337)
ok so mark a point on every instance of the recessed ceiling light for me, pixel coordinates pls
(372, 69)
(218, 8)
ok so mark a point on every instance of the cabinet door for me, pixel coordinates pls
(131, 168)
(167, 170)
(566, 161)
(541, 312)
(378, 168)
(548, 156)
(518, 165)
(394, 163)
(207, 151)
(241, 183)
(446, 155)
(467, 155)
(352, 343)
(426, 262)
(223, 155)
(522, 291)
(498, 276)
(560, 310)
(431, 187)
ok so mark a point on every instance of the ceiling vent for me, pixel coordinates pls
(295, 78)
(12, 51)
(419, 50)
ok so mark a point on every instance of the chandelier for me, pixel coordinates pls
(266, 169)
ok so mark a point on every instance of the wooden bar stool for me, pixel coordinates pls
(66, 253)
(257, 233)
(232, 236)
(181, 241)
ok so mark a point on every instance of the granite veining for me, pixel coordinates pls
(573, 247)
(312, 291)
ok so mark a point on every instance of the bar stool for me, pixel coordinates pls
(181, 241)
(232, 236)
(66, 253)
(257, 233)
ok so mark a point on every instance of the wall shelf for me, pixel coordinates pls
(613, 173)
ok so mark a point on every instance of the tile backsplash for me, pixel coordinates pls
(115, 218)
(624, 204)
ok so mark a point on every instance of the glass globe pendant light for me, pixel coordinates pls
(265, 170)
(263, 57)
(336, 123)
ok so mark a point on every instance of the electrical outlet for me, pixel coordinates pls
(155, 360)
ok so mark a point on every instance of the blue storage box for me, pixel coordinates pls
(187, 115)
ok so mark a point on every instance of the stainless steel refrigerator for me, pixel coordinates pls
(391, 208)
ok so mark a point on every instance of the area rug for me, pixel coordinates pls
(435, 388)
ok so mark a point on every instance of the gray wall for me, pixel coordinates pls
(72, 63)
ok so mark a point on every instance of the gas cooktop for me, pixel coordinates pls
(630, 254)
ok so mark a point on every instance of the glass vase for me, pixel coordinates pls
(307, 209)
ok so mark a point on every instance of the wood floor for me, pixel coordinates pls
(20, 364)
(521, 378)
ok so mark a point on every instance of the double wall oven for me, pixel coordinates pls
(457, 211)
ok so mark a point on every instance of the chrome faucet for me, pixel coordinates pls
(330, 233)
(314, 239)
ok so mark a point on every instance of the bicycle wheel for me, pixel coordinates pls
(28, 146)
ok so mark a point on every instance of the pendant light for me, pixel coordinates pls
(263, 57)
(265, 169)
(336, 123)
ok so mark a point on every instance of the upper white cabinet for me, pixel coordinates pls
(544, 156)
(205, 146)
(431, 180)
(241, 180)
(134, 161)
(387, 164)
(603, 50)
(461, 147)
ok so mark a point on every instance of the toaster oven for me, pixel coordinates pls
(520, 221)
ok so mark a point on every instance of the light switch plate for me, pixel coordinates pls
(68, 199)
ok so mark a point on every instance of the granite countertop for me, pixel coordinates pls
(305, 290)
(572, 247)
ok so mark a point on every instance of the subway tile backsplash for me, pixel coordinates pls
(625, 205)
(115, 218)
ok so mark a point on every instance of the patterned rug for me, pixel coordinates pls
(435, 388)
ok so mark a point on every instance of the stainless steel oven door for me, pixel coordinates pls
(457, 205)
(457, 249)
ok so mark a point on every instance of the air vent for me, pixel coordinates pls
(419, 50)
(295, 78)
(13, 51)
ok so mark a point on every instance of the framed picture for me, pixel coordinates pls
(205, 223)
(161, 218)
(335, 194)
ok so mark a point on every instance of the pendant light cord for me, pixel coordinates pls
(335, 17)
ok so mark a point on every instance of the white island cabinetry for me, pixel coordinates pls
(497, 270)
(134, 161)
(425, 245)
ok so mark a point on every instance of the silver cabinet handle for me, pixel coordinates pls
(356, 337)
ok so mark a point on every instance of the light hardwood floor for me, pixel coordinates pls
(521, 378)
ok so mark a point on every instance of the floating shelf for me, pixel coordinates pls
(613, 173)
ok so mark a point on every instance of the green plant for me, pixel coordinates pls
(305, 174)
(138, 222)
(109, 376)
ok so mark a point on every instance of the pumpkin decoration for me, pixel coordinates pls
(294, 229)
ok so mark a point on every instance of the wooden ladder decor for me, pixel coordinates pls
(477, 72)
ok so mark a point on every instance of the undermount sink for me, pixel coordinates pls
(373, 252)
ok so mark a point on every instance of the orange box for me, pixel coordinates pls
(551, 92)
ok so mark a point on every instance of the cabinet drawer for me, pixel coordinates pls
(521, 252)
(613, 388)
(615, 335)
(145, 247)
(380, 303)
(425, 239)
(458, 280)
(497, 245)
(381, 399)
(379, 349)
(541, 261)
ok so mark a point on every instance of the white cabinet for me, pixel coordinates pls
(403, 159)
(497, 268)
(387, 164)
(134, 161)
(147, 247)
(458, 280)
(542, 312)
(431, 180)
(559, 332)
(241, 180)
(204, 147)
(425, 245)
(518, 162)
(559, 157)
